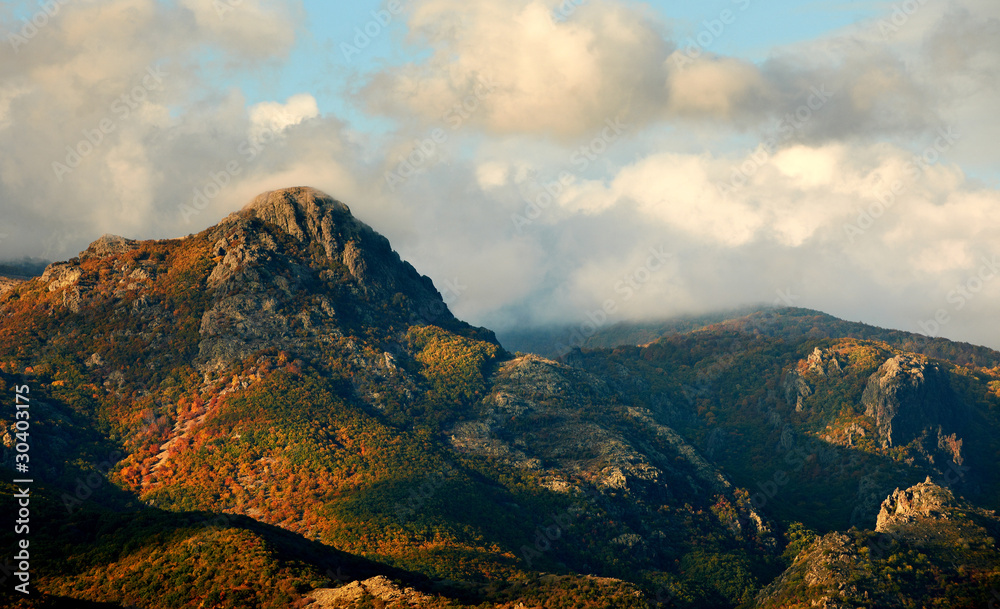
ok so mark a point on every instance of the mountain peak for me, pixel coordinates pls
(920, 500)
(329, 233)
(303, 212)
(297, 254)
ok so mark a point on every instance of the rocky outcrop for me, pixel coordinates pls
(924, 500)
(823, 362)
(378, 588)
(796, 389)
(909, 397)
(330, 233)
(9, 283)
(830, 574)
(109, 245)
(60, 275)
(860, 569)
(293, 268)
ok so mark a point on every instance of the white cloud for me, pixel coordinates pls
(492, 174)
(549, 77)
(273, 117)
(564, 78)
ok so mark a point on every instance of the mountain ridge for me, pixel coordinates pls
(285, 367)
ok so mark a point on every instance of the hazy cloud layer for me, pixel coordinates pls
(539, 166)
(564, 78)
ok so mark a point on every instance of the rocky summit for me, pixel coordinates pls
(908, 560)
(278, 411)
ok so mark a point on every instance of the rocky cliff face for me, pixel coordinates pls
(910, 399)
(378, 588)
(291, 270)
(924, 500)
(588, 468)
(293, 267)
(326, 228)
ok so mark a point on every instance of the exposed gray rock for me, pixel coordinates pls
(290, 266)
(926, 500)
(796, 389)
(823, 362)
(544, 416)
(909, 396)
(378, 588)
(322, 223)
(109, 245)
(60, 275)
(9, 283)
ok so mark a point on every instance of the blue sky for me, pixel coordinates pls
(833, 155)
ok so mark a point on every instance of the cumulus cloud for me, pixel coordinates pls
(273, 117)
(564, 77)
(549, 76)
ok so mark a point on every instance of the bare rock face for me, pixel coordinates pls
(533, 418)
(304, 213)
(292, 267)
(796, 389)
(328, 230)
(60, 275)
(824, 363)
(378, 588)
(924, 500)
(909, 397)
(9, 283)
(109, 245)
(848, 570)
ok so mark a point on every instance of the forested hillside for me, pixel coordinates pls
(279, 411)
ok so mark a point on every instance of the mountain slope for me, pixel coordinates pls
(286, 366)
(282, 381)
